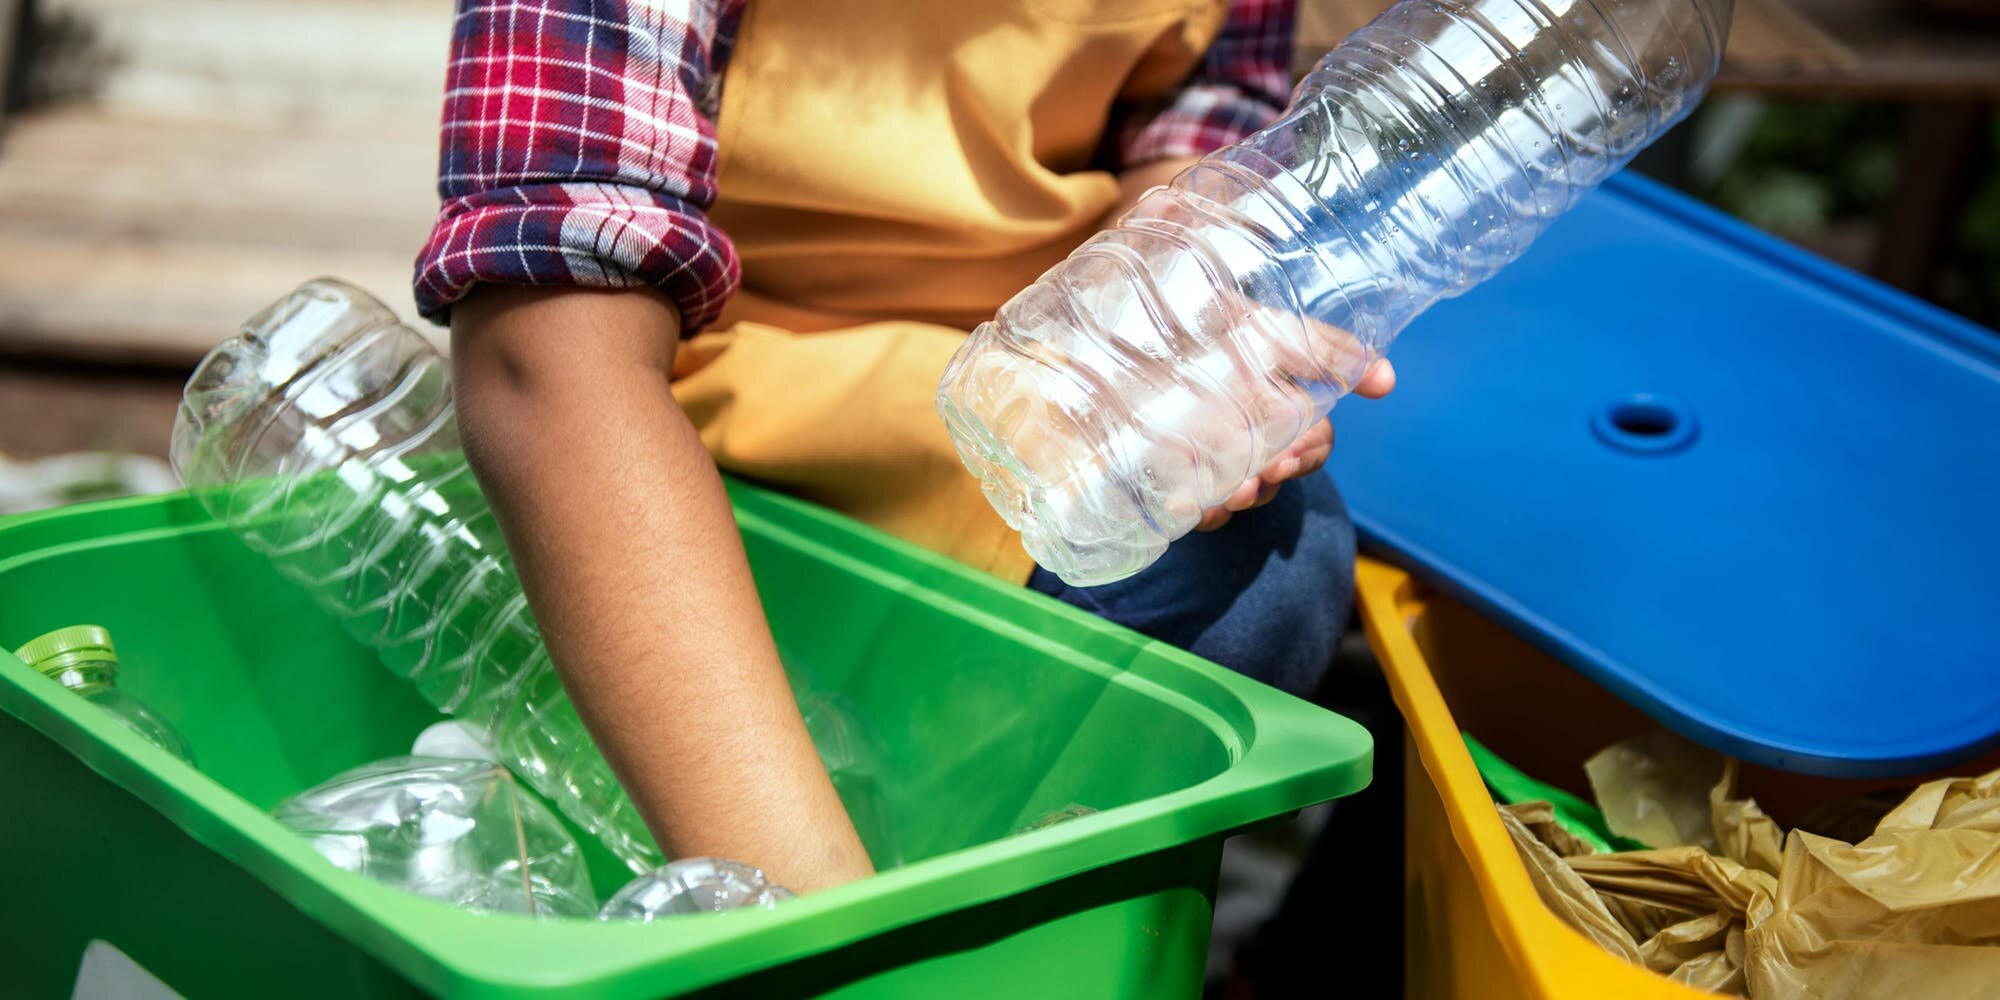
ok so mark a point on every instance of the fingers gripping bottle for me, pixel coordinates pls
(1166, 361)
(323, 435)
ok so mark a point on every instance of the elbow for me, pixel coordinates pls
(527, 359)
(492, 393)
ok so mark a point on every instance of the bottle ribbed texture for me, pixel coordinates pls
(457, 831)
(323, 435)
(694, 885)
(1166, 361)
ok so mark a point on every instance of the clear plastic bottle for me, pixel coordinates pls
(459, 831)
(1165, 361)
(82, 659)
(323, 434)
(693, 885)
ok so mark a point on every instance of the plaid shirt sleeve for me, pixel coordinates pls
(574, 152)
(1242, 84)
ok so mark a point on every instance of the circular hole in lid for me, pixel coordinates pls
(1645, 423)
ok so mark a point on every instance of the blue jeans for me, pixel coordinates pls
(1266, 596)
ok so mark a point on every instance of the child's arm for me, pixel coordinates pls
(618, 524)
(574, 152)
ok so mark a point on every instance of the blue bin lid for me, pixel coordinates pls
(1754, 494)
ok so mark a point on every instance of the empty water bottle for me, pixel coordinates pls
(1138, 382)
(694, 885)
(82, 659)
(459, 831)
(323, 434)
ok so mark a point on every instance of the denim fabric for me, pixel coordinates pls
(1267, 596)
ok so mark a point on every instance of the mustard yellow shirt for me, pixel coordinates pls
(891, 173)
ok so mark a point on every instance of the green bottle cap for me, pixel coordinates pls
(63, 648)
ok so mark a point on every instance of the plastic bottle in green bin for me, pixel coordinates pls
(83, 659)
(694, 885)
(457, 830)
(323, 434)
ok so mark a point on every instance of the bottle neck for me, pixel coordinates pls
(84, 676)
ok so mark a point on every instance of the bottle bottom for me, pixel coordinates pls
(1085, 528)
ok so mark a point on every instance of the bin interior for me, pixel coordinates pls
(990, 706)
(975, 738)
(1477, 926)
(1547, 719)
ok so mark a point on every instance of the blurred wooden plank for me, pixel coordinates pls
(111, 175)
(1771, 39)
(288, 64)
(140, 240)
(51, 410)
(159, 302)
(1870, 50)
(1817, 49)
(232, 149)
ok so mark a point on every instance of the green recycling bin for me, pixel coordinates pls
(994, 705)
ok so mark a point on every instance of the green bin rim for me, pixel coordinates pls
(1285, 753)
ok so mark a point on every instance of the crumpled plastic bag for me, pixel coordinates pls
(1679, 911)
(1912, 909)
(1742, 831)
(1533, 827)
(1652, 789)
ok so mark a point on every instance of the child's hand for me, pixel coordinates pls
(1306, 455)
(1303, 458)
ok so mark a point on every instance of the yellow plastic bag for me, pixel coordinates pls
(1666, 910)
(1652, 787)
(1561, 889)
(1912, 909)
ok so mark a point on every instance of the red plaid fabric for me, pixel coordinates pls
(578, 142)
(1243, 83)
(573, 152)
